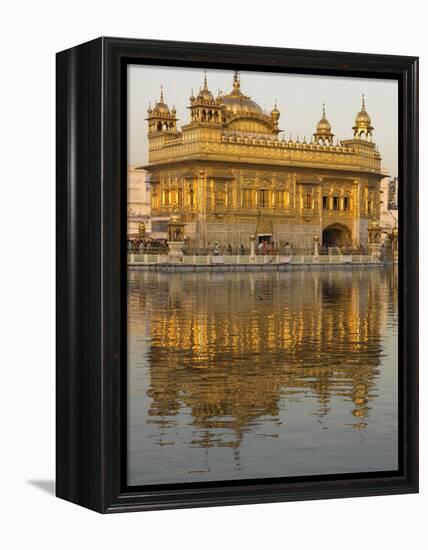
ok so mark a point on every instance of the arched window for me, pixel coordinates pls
(336, 203)
(346, 203)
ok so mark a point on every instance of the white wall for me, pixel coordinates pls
(31, 32)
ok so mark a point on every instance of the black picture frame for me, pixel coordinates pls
(91, 274)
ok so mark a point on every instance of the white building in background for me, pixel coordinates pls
(389, 203)
(139, 223)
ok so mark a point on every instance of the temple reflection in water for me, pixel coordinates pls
(234, 374)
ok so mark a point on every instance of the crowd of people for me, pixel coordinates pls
(147, 246)
(265, 247)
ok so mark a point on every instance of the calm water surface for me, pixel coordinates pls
(247, 375)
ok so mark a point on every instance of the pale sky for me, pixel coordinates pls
(299, 99)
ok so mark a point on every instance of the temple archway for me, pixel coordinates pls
(336, 235)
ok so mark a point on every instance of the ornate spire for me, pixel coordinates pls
(204, 94)
(323, 133)
(161, 94)
(363, 125)
(275, 114)
(236, 83)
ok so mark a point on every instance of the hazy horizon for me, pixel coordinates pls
(299, 99)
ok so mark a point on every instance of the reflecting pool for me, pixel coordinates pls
(257, 374)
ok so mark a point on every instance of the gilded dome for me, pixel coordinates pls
(161, 107)
(236, 102)
(204, 94)
(363, 122)
(363, 118)
(323, 126)
(275, 114)
(323, 135)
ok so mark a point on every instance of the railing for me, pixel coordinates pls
(237, 259)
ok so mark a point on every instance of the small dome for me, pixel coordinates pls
(161, 107)
(323, 126)
(323, 133)
(363, 122)
(204, 93)
(275, 114)
(363, 118)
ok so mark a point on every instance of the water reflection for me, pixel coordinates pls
(236, 375)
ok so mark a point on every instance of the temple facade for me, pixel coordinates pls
(228, 175)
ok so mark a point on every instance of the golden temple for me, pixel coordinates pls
(228, 175)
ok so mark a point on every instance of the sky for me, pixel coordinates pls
(299, 99)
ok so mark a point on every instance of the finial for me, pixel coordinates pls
(161, 94)
(323, 109)
(205, 80)
(363, 102)
(236, 81)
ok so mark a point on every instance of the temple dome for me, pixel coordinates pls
(237, 103)
(323, 132)
(363, 122)
(323, 126)
(363, 118)
(204, 94)
(161, 107)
